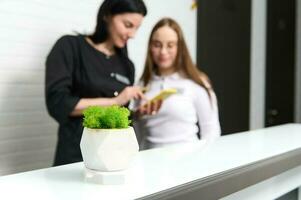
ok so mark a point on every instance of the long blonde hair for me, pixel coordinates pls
(183, 62)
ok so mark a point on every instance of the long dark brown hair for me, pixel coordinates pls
(110, 8)
(183, 62)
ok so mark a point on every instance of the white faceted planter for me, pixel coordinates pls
(108, 150)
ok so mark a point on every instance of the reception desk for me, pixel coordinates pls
(239, 166)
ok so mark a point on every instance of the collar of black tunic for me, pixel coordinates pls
(84, 40)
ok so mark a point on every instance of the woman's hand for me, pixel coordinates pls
(128, 93)
(150, 108)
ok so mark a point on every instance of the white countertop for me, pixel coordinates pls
(158, 169)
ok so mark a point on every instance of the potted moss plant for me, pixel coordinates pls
(108, 142)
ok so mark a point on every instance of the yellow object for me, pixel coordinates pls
(164, 94)
(144, 89)
(194, 5)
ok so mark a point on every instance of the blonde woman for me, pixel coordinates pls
(189, 115)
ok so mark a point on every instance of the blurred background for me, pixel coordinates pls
(250, 49)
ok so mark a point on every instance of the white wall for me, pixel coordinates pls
(28, 29)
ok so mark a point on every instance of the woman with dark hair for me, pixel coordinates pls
(88, 70)
(192, 113)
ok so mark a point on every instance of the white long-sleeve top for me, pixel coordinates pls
(176, 121)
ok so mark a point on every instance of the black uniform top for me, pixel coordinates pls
(75, 70)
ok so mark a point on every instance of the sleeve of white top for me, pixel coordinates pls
(207, 114)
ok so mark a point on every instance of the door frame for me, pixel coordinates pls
(298, 64)
(258, 64)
